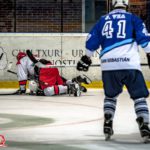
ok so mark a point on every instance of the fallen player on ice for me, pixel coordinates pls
(45, 81)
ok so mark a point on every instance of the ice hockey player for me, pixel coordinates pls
(119, 33)
(25, 68)
(51, 83)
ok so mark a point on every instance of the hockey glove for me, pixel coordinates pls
(84, 63)
(148, 59)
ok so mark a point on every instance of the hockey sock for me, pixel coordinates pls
(22, 85)
(110, 106)
(141, 109)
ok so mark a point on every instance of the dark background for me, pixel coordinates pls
(55, 16)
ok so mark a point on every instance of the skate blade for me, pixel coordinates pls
(146, 139)
(107, 137)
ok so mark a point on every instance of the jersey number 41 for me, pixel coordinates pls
(108, 29)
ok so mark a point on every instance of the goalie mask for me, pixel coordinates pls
(120, 3)
(33, 86)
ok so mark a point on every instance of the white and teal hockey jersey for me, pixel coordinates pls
(119, 34)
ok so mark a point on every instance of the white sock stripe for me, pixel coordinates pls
(139, 100)
(141, 106)
(109, 104)
(111, 101)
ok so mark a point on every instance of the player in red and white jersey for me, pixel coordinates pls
(25, 67)
(51, 83)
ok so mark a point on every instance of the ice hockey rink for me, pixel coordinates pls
(67, 123)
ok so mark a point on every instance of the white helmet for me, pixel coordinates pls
(120, 3)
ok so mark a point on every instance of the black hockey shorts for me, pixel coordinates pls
(113, 82)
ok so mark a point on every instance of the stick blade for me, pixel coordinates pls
(9, 66)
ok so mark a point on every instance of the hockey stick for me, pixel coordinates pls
(9, 65)
(1, 56)
(12, 72)
(32, 58)
(9, 68)
(5, 94)
(88, 80)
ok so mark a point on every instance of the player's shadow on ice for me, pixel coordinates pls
(124, 139)
(133, 138)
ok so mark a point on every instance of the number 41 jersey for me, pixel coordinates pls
(119, 34)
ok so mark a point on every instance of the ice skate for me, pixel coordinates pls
(20, 92)
(144, 130)
(83, 89)
(82, 79)
(108, 130)
(74, 88)
(40, 92)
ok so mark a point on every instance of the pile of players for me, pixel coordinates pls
(44, 78)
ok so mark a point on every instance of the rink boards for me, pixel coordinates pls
(61, 49)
